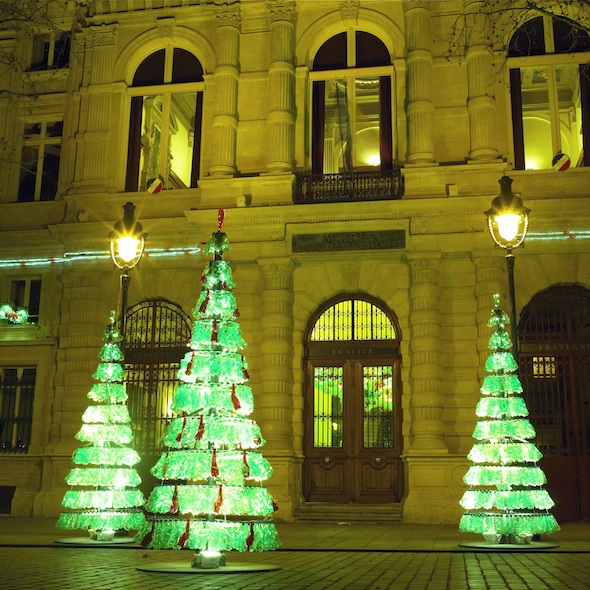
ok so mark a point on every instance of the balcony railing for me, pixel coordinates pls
(373, 185)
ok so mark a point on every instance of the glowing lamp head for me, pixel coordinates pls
(127, 239)
(508, 218)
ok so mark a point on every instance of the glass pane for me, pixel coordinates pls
(370, 51)
(536, 120)
(378, 406)
(332, 54)
(570, 111)
(28, 173)
(54, 129)
(32, 130)
(182, 139)
(327, 407)
(34, 301)
(528, 39)
(151, 70)
(8, 388)
(50, 172)
(151, 133)
(61, 53)
(185, 67)
(569, 38)
(337, 148)
(367, 122)
(334, 324)
(25, 409)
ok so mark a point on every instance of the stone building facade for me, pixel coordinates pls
(355, 146)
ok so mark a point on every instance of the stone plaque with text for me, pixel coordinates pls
(345, 241)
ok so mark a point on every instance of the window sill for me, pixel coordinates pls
(15, 332)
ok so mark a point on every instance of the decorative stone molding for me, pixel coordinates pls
(229, 16)
(101, 36)
(411, 4)
(280, 10)
(349, 9)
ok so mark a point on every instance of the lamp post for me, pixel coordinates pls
(508, 221)
(127, 246)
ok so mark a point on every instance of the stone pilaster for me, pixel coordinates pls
(276, 405)
(489, 277)
(420, 108)
(226, 78)
(481, 104)
(426, 403)
(91, 173)
(281, 116)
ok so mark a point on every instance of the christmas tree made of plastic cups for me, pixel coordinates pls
(103, 497)
(506, 501)
(210, 498)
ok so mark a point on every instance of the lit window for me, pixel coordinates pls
(544, 367)
(550, 99)
(51, 51)
(352, 105)
(165, 125)
(17, 389)
(26, 293)
(39, 162)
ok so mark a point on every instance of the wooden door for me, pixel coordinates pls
(353, 431)
(554, 336)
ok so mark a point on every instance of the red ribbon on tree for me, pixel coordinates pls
(219, 501)
(220, 218)
(236, 313)
(179, 435)
(148, 538)
(184, 537)
(214, 468)
(203, 306)
(246, 466)
(174, 503)
(201, 429)
(214, 334)
(245, 373)
(189, 365)
(275, 506)
(250, 538)
(234, 398)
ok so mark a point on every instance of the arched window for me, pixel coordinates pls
(165, 123)
(352, 105)
(352, 426)
(550, 96)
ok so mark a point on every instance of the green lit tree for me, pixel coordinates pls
(211, 498)
(103, 497)
(506, 501)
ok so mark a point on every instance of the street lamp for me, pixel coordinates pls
(508, 221)
(127, 246)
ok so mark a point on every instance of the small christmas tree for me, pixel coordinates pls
(210, 498)
(104, 497)
(506, 502)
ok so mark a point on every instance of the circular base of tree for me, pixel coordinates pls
(186, 568)
(535, 546)
(87, 541)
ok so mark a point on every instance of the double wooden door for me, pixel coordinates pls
(353, 431)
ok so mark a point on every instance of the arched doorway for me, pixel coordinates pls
(352, 411)
(157, 333)
(554, 336)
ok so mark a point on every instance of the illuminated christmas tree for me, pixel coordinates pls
(104, 497)
(210, 498)
(506, 502)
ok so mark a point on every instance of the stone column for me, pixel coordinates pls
(281, 116)
(426, 403)
(226, 78)
(276, 404)
(489, 279)
(420, 108)
(481, 104)
(91, 173)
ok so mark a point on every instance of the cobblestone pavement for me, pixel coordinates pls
(49, 568)
(315, 556)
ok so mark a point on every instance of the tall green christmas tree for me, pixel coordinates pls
(210, 497)
(103, 497)
(506, 502)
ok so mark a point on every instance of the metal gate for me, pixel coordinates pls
(157, 333)
(554, 335)
(352, 433)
